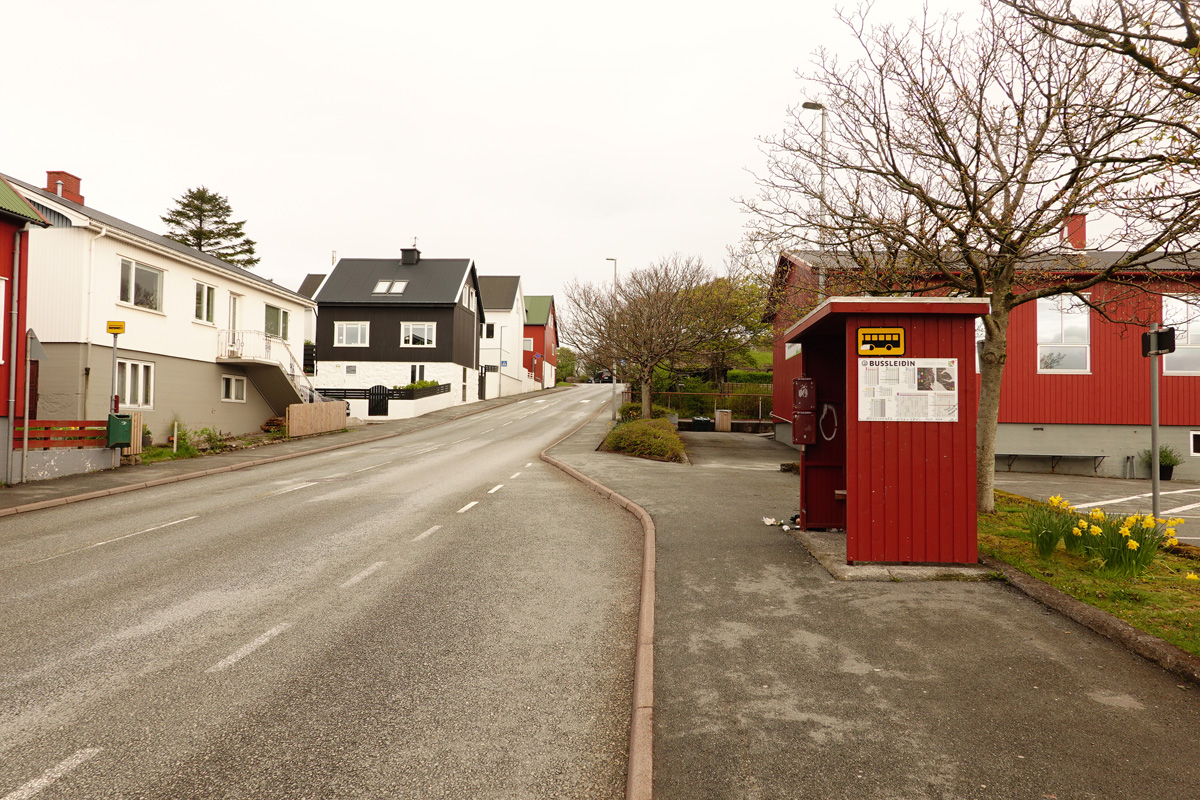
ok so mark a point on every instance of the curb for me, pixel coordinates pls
(639, 783)
(1166, 655)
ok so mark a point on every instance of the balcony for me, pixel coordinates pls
(269, 364)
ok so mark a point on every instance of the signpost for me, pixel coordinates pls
(1155, 343)
(116, 328)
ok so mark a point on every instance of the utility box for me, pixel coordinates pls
(724, 420)
(889, 449)
(120, 430)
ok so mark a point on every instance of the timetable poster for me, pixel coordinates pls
(908, 389)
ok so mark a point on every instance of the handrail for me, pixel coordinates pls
(259, 344)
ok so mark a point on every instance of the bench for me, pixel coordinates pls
(1097, 460)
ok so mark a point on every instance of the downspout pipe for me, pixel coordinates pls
(13, 341)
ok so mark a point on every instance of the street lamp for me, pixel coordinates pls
(814, 106)
(614, 366)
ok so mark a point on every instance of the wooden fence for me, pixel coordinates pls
(304, 419)
(45, 434)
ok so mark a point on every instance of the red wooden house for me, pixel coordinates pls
(1075, 397)
(541, 340)
(16, 216)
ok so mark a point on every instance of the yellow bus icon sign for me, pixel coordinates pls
(881, 341)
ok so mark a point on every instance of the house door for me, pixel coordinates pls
(377, 401)
(483, 384)
(464, 384)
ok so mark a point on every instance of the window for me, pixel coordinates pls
(277, 322)
(135, 384)
(141, 285)
(233, 389)
(206, 298)
(489, 330)
(418, 373)
(1063, 333)
(418, 334)
(1194, 437)
(351, 334)
(390, 287)
(1183, 314)
(527, 344)
(3, 295)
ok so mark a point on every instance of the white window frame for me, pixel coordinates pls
(406, 334)
(144, 382)
(1194, 441)
(283, 322)
(206, 298)
(389, 287)
(527, 344)
(3, 307)
(1049, 339)
(229, 387)
(1182, 312)
(132, 268)
(362, 337)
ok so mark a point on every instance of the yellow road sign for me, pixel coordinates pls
(881, 341)
(115, 326)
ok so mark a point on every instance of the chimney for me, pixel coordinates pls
(409, 256)
(63, 184)
(1074, 231)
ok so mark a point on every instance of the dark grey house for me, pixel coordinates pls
(384, 323)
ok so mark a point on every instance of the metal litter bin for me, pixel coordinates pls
(702, 424)
(120, 430)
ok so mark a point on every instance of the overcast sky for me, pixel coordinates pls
(538, 138)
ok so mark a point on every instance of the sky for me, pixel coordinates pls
(537, 138)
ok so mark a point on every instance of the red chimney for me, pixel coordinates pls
(1075, 231)
(63, 184)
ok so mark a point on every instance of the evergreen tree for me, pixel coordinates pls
(200, 219)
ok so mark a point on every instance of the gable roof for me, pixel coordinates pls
(537, 309)
(431, 281)
(310, 284)
(127, 227)
(14, 205)
(498, 291)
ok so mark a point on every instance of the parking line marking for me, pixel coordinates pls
(468, 506)
(1134, 497)
(496, 488)
(250, 648)
(51, 775)
(366, 573)
(434, 529)
(1182, 508)
(119, 538)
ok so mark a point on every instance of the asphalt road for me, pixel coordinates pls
(436, 615)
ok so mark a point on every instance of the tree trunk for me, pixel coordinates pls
(991, 367)
(645, 398)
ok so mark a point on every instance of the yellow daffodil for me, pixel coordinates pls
(1132, 544)
(1191, 576)
(1170, 531)
(1172, 542)
(1148, 522)
(1124, 531)
(1096, 531)
(1081, 524)
(1097, 514)
(1056, 500)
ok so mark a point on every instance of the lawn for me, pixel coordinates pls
(1161, 601)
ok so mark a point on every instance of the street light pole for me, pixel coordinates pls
(814, 106)
(614, 366)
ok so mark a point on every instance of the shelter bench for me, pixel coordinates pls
(1097, 459)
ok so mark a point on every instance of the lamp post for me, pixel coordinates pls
(814, 106)
(614, 366)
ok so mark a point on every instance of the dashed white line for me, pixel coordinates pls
(250, 648)
(51, 775)
(585, 401)
(530, 464)
(293, 489)
(432, 530)
(489, 430)
(515, 474)
(460, 441)
(510, 422)
(496, 488)
(366, 573)
(468, 506)
(119, 538)
(373, 466)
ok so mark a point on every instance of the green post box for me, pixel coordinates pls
(120, 430)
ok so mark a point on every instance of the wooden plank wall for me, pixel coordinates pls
(48, 433)
(304, 419)
(135, 447)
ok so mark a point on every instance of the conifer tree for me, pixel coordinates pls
(200, 219)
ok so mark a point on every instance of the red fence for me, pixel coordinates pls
(47, 433)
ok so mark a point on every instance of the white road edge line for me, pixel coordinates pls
(250, 648)
(119, 538)
(515, 474)
(293, 489)
(468, 506)
(432, 530)
(51, 775)
(366, 573)
(496, 488)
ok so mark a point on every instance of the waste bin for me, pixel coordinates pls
(724, 420)
(702, 424)
(120, 430)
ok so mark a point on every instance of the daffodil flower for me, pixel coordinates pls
(1132, 544)
(1124, 531)
(1191, 576)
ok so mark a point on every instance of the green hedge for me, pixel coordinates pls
(747, 376)
(632, 411)
(655, 439)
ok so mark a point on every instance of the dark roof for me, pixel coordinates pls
(436, 281)
(537, 309)
(311, 283)
(170, 244)
(498, 291)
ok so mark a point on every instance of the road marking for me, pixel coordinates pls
(496, 488)
(373, 466)
(51, 775)
(1181, 508)
(585, 401)
(510, 422)
(489, 430)
(366, 573)
(460, 441)
(293, 489)
(1134, 497)
(530, 464)
(119, 538)
(250, 648)
(434, 529)
(515, 474)
(468, 506)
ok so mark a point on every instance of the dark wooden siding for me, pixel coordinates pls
(466, 337)
(386, 331)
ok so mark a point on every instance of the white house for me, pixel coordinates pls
(500, 349)
(205, 343)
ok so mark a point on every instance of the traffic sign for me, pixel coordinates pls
(116, 326)
(1159, 342)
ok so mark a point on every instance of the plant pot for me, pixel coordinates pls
(147, 440)
(1165, 471)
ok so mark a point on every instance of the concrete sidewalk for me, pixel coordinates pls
(774, 680)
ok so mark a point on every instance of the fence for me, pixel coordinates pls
(304, 419)
(45, 434)
(744, 405)
(392, 394)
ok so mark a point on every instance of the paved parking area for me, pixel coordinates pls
(1176, 498)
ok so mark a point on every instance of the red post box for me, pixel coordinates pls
(891, 454)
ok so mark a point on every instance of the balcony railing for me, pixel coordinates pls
(260, 346)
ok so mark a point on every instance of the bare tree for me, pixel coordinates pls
(674, 309)
(955, 155)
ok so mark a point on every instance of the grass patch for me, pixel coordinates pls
(655, 439)
(1161, 601)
